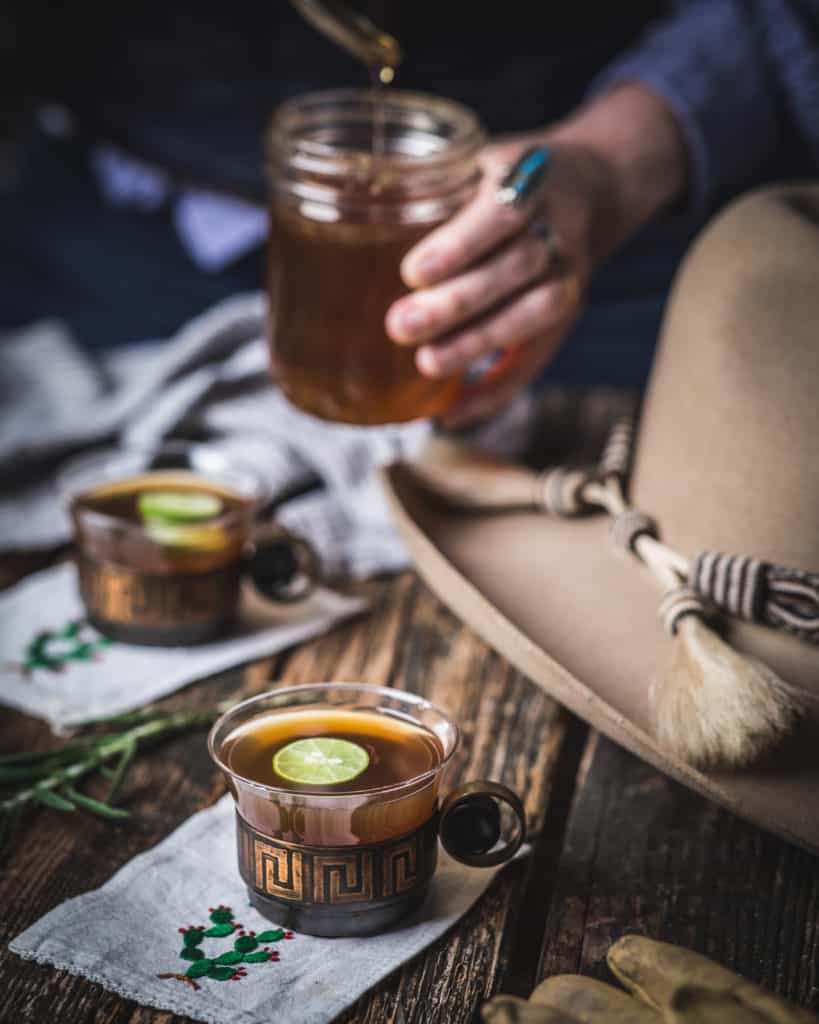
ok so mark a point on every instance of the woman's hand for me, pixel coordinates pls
(495, 280)
(492, 280)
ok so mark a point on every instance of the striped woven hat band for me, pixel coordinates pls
(677, 604)
(735, 583)
(617, 453)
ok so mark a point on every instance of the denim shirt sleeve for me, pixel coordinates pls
(742, 79)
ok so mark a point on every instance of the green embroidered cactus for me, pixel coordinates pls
(199, 968)
(193, 936)
(219, 931)
(222, 973)
(259, 957)
(233, 956)
(224, 966)
(52, 649)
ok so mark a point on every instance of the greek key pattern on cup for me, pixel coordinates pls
(116, 593)
(336, 875)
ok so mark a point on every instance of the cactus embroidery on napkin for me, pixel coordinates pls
(249, 947)
(53, 649)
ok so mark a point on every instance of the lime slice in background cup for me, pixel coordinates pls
(179, 506)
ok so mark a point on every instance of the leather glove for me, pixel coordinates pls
(666, 985)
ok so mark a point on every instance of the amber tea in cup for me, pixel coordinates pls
(162, 539)
(337, 804)
(394, 750)
(356, 179)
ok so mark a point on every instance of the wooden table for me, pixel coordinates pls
(620, 848)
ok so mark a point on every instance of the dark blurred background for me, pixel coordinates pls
(183, 91)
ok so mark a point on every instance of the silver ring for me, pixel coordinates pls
(525, 177)
(542, 230)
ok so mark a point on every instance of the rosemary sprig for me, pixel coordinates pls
(50, 778)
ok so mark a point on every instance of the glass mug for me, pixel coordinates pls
(149, 581)
(354, 861)
(356, 179)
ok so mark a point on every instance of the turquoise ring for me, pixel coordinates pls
(525, 177)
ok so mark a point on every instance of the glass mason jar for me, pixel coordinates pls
(357, 178)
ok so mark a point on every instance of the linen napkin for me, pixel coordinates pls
(126, 934)
(76, 675)
(211, 379)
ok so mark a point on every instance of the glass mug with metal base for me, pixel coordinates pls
(338, 814)
(164, 537)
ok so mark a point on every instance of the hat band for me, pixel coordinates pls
(772, 595)
(741, 586)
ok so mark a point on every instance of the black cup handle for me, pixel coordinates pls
(282, 565)
(470, 824)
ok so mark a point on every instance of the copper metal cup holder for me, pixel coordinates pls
(363, 887)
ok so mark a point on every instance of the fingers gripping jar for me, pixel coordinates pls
(357, 178)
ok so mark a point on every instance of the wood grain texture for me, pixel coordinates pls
(618, 847)
(511, 732)
(642, 854)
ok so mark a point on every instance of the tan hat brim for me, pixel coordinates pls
(554, 598)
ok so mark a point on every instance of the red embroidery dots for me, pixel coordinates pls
(229, 965)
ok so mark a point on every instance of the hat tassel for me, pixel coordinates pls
(714, 706)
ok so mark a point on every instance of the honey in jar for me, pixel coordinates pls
(357, 178)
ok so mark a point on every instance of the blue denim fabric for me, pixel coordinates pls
(742, 77)
(119, 275)
(613, 342)
(116, 275)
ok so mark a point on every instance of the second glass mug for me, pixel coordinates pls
(142, 588)
(356, 862)
(356, 179)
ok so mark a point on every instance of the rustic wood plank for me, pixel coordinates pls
(642, 854)
(363, 651)
(512, 732)
(54, 857)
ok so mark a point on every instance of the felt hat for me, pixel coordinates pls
(726, 461)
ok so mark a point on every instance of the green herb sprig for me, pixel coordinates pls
(50, 778)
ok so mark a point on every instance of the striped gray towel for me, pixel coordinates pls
(210, 379)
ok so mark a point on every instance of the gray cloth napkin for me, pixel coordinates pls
(211, 379)
(126, 933)
(113, 678)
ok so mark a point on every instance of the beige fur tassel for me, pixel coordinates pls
(713, 705)
(717, 707)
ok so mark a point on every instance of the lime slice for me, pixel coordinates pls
(186, 535)
(179, 506)
(320, 761)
